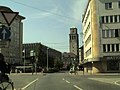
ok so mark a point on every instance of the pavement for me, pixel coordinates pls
(25, 74)
(78, 73)
(85, 73)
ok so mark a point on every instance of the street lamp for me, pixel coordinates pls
(32, 54)
(24, 59)
(47, 59)
(92, 68)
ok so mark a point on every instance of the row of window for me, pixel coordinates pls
(110, 19)
(88, 40)
(73, 37)
(87, 29)
(111, 47)
(88, 14)
(88, 52)
(111, 33)
(107, 48)
(109, 5)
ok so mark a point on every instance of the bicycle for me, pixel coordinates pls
(6, 84)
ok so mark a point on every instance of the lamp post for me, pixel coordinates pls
(32, 54)
(47, 58)
(92, 68)
(24, 59)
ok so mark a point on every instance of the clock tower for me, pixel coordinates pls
(73, 42)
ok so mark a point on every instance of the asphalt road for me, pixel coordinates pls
(65, 81)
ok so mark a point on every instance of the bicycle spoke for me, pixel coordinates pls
(6, 86)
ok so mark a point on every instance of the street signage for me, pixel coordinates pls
(9, 16)
(4, 33)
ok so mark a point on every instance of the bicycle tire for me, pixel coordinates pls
(6, 86)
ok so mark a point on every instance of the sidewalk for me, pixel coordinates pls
(25, 74)
(85, 73)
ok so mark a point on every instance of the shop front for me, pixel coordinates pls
(113, 63)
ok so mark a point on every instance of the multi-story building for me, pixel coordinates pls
(13, 50)
(41, 53)
(81, 55)
(74, 43)
(68, 59)
(101, 29)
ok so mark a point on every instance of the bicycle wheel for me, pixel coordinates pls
(6, 86)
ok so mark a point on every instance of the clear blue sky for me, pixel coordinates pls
(49, 21)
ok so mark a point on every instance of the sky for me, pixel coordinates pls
(49, 21)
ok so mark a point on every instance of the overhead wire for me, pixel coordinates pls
(45, 10)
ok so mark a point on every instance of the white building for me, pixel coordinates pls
(13, 50)
(101, 29)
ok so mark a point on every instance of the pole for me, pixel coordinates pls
(24, 64)
(47, 59)
(24, 60)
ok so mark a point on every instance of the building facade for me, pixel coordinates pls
(13, 50)
(74, 43)
(68, 60)
(41, 53)
(81, 55)
(101, 30)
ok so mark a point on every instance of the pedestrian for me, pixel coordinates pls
(4, 68)
(76, 70)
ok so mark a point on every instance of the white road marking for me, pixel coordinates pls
(67, 81)
(77, 87)
(73, 85)
(29, 84)
(116, 82)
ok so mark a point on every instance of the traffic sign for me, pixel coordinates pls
(4, 33)
(9, 16)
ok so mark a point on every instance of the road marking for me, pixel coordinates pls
(73, 85)
(67, 81)
(116, 82)
(77, 87)
(29, 84)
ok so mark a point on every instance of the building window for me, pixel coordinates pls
(112, 33)
(108, 47)
(70, 37)
(116, 33)
(88, 52)
(107, 33)
(113, 48)
(88, 40)
(115, 18)
(103, 33)
(119, 18)
(102, 18)
(108, 5)
(104, 48)
(111, 19)
(107, 19)
(117, 47)
(118, 4)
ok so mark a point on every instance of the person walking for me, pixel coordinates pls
(4, 68)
